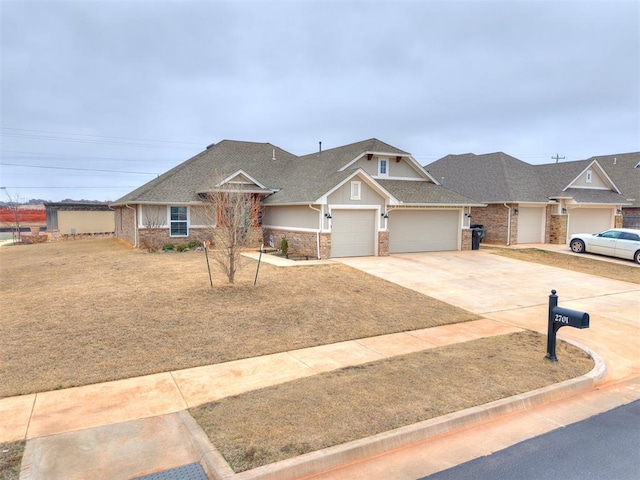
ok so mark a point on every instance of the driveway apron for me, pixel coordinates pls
(517, 293)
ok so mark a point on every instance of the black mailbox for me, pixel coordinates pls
(572, 318)
(561, 317)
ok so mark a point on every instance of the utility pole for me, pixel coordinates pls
(557, 157)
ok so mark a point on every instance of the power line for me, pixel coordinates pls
(79, 169)
(95, 142)
(84, 157)
(98, 136)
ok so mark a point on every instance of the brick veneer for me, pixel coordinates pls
(494, 218)
(305, 243)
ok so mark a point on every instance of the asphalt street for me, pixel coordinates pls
(603, 446)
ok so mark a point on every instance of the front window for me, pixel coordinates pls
(178, 222)
(383, 167)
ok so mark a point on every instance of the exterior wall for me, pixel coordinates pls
(547, 224)
(195, 235)
(368, 196)
(125, 225)
(56, 236)
(631, 217)
(494, 218)
(396, 169)
(596, 180)
(383, 243)
(558, 228)
(467, 233)
(325, 245)
(618, 221)
(302, 243)
(295, 216)
(78, 221)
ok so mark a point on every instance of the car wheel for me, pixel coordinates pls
(577, 246)
(636, 256)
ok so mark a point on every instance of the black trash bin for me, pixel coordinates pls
(477, 234)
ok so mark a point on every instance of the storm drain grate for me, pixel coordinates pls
(193, 471)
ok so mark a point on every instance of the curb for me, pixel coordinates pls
(320, 460)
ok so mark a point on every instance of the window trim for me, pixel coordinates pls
(171, 222)
(358, 186)
(589, 176)
(386, 164)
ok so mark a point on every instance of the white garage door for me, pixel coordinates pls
(589, 220)
(423, 230)
(353, 233)
(531, 225)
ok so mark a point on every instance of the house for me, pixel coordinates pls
(533, 203)
(73, 220)
(624, 170)
(361, 199)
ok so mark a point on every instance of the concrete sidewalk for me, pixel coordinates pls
(129, 428)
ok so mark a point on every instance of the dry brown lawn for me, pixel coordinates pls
(291, 419)
(76, 313)
(10, 460)
(584, 264)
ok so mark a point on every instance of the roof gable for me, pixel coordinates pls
(593, 177)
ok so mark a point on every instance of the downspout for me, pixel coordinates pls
(508, 224)
(318, 232)
(135, 225)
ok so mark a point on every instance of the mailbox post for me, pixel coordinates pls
(560, 317)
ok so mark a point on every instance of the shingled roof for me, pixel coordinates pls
(498, 177)
(292, 179)
(489, 178)
(199, 173)
(624, 170)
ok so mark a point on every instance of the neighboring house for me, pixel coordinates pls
(71, 220)
(366, 198)
(624, 170)
(532, 203)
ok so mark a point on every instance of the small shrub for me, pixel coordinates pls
(183, 247)
(193, 244)
(284, 245)
(168, 246)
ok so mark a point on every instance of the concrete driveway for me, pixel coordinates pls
(517, 293)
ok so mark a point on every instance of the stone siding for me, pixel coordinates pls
(618, 221)
(383, 243)
(467, 234)
(558, 228)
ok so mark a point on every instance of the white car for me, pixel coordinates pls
(615, 242)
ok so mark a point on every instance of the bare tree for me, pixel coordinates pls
(231, 211)
(154, 223)
(14, 216)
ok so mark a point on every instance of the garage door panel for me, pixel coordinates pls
(353, 233)
(589, 220)
(423, 230)
(531, 225)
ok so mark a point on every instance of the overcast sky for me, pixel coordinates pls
(99, 97)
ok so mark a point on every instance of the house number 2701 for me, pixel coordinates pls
(562, 318)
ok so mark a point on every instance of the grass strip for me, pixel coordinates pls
(275, 423)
